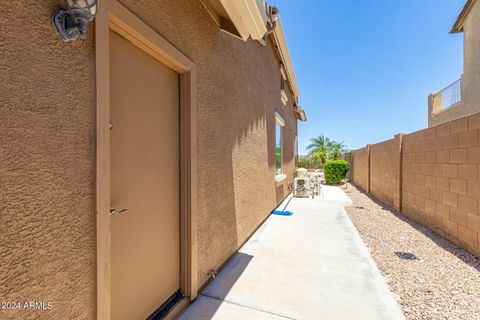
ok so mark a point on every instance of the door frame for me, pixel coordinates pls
(112, 15)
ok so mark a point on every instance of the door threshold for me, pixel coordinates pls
(178, 309)
(171, 308)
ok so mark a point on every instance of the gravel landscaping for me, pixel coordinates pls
(430, 277)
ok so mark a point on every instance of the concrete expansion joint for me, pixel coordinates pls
(245, 306)
(337, 275)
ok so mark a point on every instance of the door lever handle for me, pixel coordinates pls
(116, 211)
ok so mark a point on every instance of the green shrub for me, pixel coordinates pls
(303, 163)
(335, 171)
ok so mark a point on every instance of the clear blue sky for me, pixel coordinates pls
(366, 67)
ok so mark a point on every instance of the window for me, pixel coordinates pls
(278, 149)
(280, 123)
(283, 93)
(295, 146)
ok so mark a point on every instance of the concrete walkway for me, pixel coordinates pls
(309, 266)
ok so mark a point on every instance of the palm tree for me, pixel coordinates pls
(336, 149)
(318, 150)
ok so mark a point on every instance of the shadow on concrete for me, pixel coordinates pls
(212, 296)
(225, 280)
(461, 254)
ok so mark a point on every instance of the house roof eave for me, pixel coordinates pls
(249, 19)
(283, 48)
(300, 114)
(458, 26)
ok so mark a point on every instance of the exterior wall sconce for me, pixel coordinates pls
(71, 24)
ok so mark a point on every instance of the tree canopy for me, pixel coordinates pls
(322, 149)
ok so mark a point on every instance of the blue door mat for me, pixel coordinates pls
(282, 213)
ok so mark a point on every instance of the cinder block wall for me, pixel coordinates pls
(348, 157)
(441, 185)
(385, 178)
(440, 178)
(359, 171)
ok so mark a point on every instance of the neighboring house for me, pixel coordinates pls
(463, 96)
(184, 113)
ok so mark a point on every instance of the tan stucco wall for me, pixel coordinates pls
(238, 94)
(457, 111)
(471, 75)
(47, 176)
(470, 86)
(48, 162)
